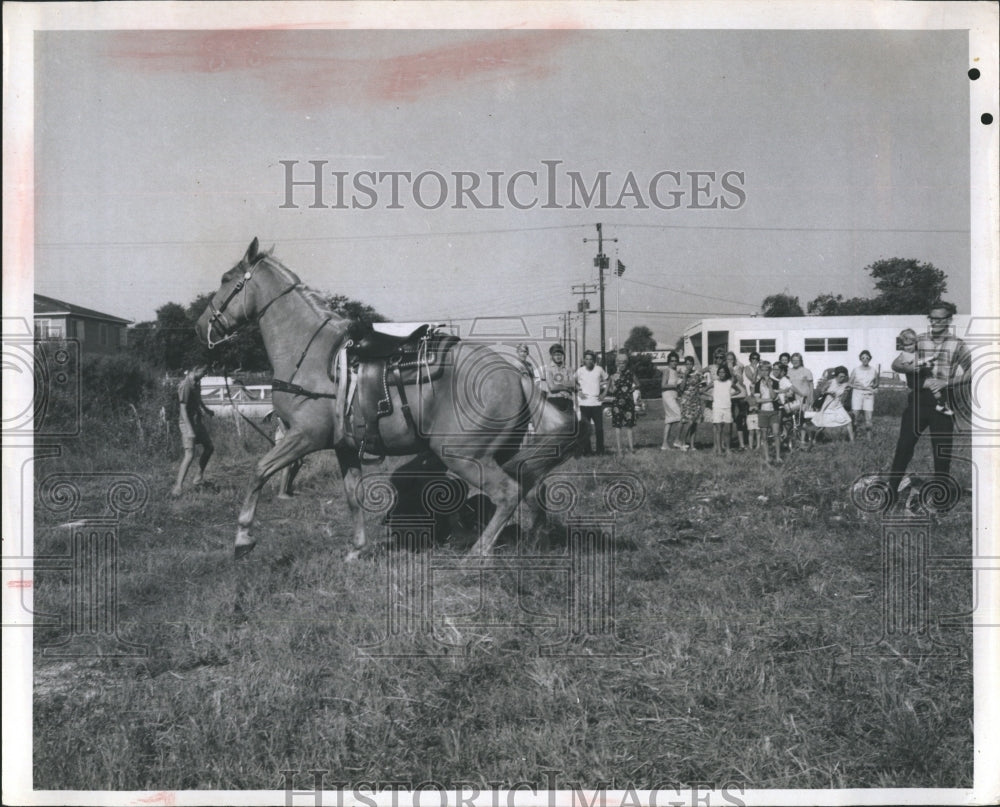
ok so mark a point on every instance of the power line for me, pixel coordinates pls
(305, 240)
(497, 231)
(751, 228)
(690, 293)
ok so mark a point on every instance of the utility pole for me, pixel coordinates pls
(602, 263)
(584, 306)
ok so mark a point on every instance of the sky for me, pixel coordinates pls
(158, 157)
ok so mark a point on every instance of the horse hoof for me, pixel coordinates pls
(242, 550)
(286, 497)
(352, 556)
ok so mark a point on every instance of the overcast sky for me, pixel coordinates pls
(158, 158)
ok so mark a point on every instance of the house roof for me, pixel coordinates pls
(50, 306)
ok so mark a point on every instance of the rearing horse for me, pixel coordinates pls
(474, 417)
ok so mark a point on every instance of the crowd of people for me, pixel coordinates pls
(764, 406)
(756, 405)
(747, 405)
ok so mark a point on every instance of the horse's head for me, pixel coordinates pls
(247, 290)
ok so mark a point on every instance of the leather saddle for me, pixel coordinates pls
(385, 356)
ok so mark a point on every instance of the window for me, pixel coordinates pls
(42, 329)
(833, 344)
(122, 338)
(102, 334)
(74, 329)
(758, 345)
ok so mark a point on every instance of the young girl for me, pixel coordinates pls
(740, 409)
(691, 406)
(724, 389)
(765, 398)
(864, 382)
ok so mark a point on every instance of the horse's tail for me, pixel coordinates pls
(554, 441)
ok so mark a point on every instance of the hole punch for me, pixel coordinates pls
(986, 118)
(974, 73)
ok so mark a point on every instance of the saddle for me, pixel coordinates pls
(383, 357)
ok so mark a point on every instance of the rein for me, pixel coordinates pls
(225, 375)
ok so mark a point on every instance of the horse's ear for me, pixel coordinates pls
(251, 255)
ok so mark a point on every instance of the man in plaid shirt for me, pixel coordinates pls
(949, 353)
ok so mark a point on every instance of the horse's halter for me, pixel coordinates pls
(218, 314)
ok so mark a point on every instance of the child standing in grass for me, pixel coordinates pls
(765, 396)
(864, 382)
(724, 389)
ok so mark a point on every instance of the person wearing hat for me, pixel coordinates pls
(591, 383)
(560, 381)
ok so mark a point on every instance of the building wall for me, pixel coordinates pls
(95, 336)
(790, 335)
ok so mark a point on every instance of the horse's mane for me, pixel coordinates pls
(314, 298)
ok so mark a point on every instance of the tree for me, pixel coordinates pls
(781, 305)
(906, 286)
(830, 305)
(353, 309)
(244, 352)
(642, 366)
(640, 338)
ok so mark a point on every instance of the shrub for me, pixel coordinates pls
(650, 387)
(115, 382)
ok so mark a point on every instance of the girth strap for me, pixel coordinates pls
(277, 385)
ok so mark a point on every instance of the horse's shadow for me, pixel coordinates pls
(426, 494)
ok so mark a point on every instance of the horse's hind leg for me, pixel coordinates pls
(350, 468)
(502, 491)
(293, 447)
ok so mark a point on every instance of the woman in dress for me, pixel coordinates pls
(832, 414)
(622, 402)
(671, 404)
(740, 407)
(692, 406)
(864, 382)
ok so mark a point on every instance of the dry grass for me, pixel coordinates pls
(745, 586)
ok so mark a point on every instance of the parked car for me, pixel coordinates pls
(251, 400)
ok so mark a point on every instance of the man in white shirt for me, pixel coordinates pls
(591, 383)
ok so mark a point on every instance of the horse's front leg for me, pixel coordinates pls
(350, 468)
(293, 447)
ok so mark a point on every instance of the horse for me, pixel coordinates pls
(473, 415)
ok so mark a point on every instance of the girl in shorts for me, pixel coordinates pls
(724, 389)
(864, 382)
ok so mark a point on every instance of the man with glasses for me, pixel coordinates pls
(940, 354)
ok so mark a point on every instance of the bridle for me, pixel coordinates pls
(218, 317)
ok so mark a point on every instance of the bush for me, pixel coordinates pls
(650, 387)
(113, 383)
(891, 402)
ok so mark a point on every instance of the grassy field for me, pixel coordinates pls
(744, 586)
